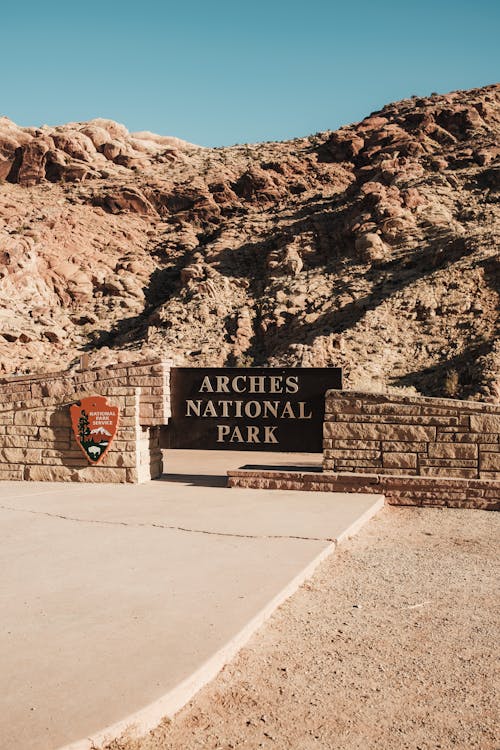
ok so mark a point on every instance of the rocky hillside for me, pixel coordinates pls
(372, 247)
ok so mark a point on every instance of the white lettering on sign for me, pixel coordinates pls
(101, 418)
(247, 434)
(250, 384)
(240, 408)
(251, 409)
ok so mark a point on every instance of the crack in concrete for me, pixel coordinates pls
(167, 527)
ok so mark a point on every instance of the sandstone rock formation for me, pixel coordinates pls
(373, 247)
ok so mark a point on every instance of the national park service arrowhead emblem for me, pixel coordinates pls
(94, 423)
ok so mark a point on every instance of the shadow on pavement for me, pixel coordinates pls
(195, 480)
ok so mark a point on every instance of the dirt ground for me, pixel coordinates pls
(392, 645)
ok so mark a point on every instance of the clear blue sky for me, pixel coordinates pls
(220, 72)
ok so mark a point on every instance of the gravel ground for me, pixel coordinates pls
(391, 645)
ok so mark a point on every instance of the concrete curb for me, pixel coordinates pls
(147, 718)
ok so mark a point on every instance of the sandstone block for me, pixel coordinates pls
(403, 447)
(467, 437)
(124, 446)
(489, 461)
(157, 390)
(357, 444)
(49, 473)
(63, 460)
(116, 372)
(29, 430)
(132, 475)
(144, 370)
(53, 452)
(39, 403)
(436, 502)
(127, 413)
(84, 380)
(354, 462)
(150, 398)
(9, 475)
(493, 475)
(54, 433)
(27, 418)
(443, 471)
(424, 483)
(127, 425)
(443, 422)
(13, 441)
(422, 496)
(384, 470)
(334, 405)
(467, 463)
(155, 421)
(15, 397)
(20, 455)
(395, 499)
(366, 431)
(140, 380)
(100, 474)
(147, 472)
(4, 466)
(117, 459)
(54, 388)
(59, 445)
(492, 487)
(353, 453)
(453, 450)
(108, 383)
(439, 411)
(392, 409)
(485, 423)
(128, 432)
(398, 460)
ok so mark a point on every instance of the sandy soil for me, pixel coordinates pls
(392, 644)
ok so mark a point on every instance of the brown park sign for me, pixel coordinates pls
(94, 423)
(271, 409)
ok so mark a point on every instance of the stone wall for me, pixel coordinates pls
(37, 441)
(483, 494)
(412, 436)
(412, 450)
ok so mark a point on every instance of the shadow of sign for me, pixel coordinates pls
(275, 409)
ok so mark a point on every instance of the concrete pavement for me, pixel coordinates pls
(118, 602)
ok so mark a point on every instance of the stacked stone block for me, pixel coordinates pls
(413, 450)
(411, 435)
(37, 441)
(483, 494)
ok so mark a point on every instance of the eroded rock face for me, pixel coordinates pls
(73, 152)
(373, 247)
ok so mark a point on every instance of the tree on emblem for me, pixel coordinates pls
(83, 427)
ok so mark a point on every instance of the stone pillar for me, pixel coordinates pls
(37, 441)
